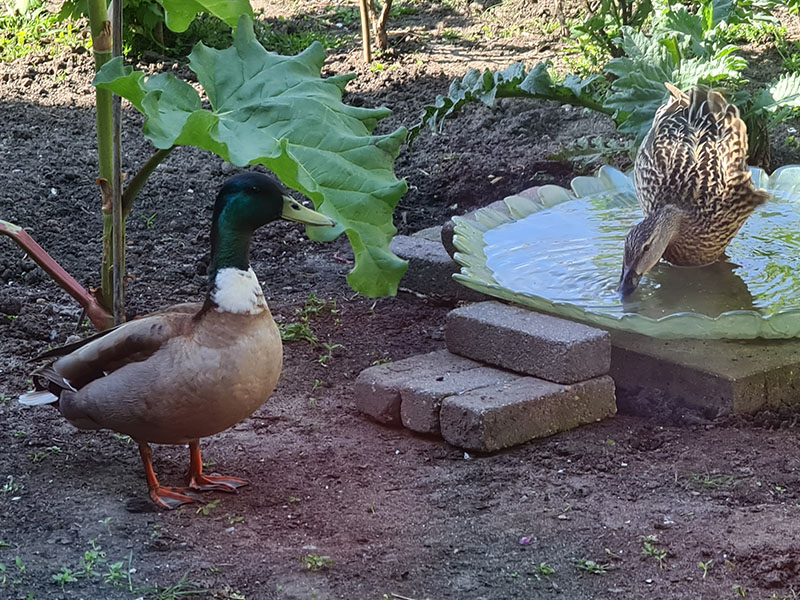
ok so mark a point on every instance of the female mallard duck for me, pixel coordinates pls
(191, 370)
(692, 182)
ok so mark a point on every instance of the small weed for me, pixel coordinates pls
(294, 500)
(106, 523)
(116, 574)
(148, 221)
(4, 544)
(544, 26)
(789, 52)
(377, 67)
(451, 35)
(3, 576)
(346, 15)
(314, 562)
(590, 566)
(91, 557)
(5, 400)
(651, 550)
(399, 11)
(20, 433)
(10, 486)
(301, 330)
(791, 63)
(37, 457)
(381, 361)
(64, 576)
(182, 589)
(315, 306)
(793, 596)
(20, 565)
(739, 590)
(317, 384)
(704, 567)
(156, 533)
(207, 508)
(298, 331)
(233, 520)
(324, 359)
(543, 569)
(710, 481)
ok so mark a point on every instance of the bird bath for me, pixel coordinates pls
(561, 253)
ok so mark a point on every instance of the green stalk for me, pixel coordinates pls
(572, 100)
(102, 48)
(137, 183)
(118, 236)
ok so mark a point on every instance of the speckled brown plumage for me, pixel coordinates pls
(694, 158)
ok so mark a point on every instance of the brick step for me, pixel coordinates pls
(528, 342)
(477, 407)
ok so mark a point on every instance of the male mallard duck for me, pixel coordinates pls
(191, 370)
(693, 184)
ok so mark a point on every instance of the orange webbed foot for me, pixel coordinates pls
(206, 483)
(170, 498)
(163, 497)
(198, 481)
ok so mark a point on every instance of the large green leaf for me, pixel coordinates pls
(777, 102)
(638, 89)
(514, 82)
(179, 14)
(278, 112)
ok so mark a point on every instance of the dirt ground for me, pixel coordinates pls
(629, 508)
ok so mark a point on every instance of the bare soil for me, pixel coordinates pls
(628, 508)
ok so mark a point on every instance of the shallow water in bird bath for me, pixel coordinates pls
(572, 253)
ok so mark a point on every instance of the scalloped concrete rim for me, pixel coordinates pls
(740, 324)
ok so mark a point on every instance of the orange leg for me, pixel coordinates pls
(164, 497)
(204, 483)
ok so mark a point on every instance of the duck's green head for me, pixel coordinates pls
(246, 202)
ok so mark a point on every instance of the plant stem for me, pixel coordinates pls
(572, 100)
(98, 315)
(365, 42)
(118, 230)
(137, 183)
(102, 49)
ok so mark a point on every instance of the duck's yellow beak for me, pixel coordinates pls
(294, 211)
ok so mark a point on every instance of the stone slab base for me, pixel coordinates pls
(718, 377)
